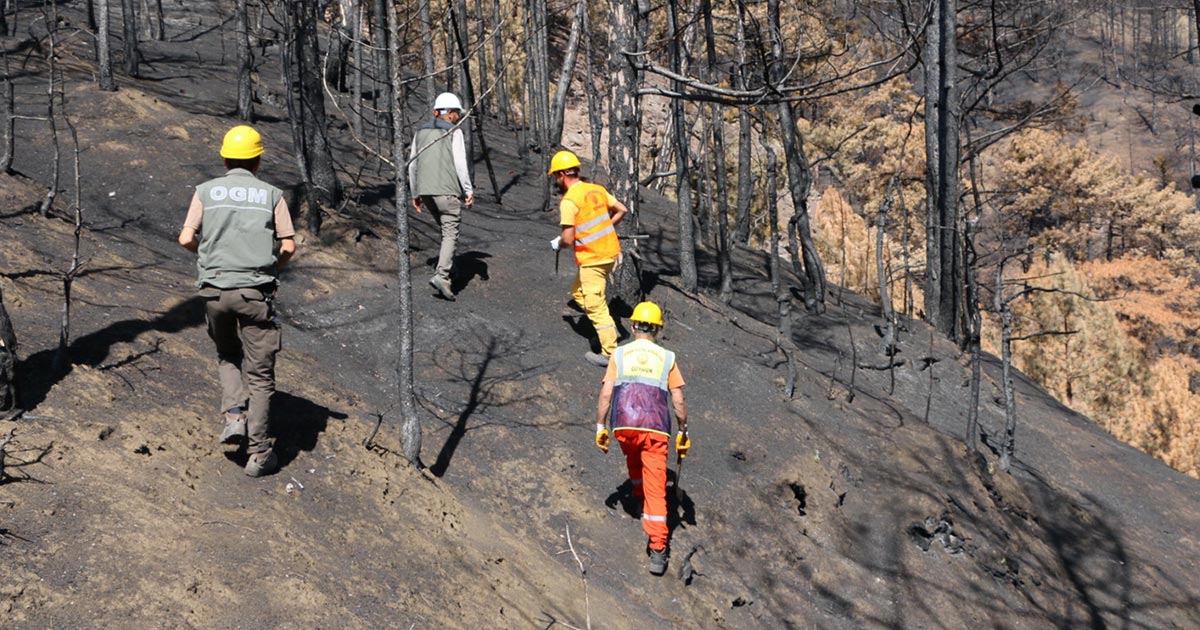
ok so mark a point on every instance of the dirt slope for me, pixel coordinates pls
(849, 506)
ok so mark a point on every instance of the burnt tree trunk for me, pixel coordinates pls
(383, 72)
(566, 73)
(133, 56)
(356, 86)
(426, 19)
(624, 123)
(943, 271)
(501, 64)
(1001, 304)
(683, 188)
(719, 188)
(310, 106)
(482, 64)
(104, 48)
(783, 300)
(245, 91)
(745, 181)
(410, 424)
(477, 120)
(799, 179)
(7, 121)
(62, 357)
(51, 115)
(160, 22)
(594, 107)
(341, 39)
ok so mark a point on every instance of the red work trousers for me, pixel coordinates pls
(646, 458)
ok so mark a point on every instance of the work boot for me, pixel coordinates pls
(658, 561)
(261, 464)
(442, 286)
(597, 359)
(235, 429)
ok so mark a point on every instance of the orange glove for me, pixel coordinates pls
(682, 444)
(602, 438)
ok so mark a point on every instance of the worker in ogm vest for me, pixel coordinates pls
(588, 215)
(242, 230)
(642, 385)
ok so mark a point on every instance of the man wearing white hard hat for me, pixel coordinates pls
(440, 180)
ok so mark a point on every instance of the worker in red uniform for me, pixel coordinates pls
(642, 385)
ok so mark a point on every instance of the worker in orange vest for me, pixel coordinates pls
(588, 215)
(642, 379)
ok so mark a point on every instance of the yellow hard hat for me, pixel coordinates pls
(647, 313)
(562, 161)
(241, 143)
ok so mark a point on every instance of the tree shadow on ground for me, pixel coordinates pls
(9, 464)
(489, 370)
(1064, 558)
(37, 376)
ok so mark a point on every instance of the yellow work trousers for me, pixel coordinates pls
(588, 291)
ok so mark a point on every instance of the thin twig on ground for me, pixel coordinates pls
(587, 605)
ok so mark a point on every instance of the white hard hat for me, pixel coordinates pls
(447, 100)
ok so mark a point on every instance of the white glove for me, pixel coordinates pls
(556, 244)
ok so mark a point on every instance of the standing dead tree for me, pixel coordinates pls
(812, 276)
(62, 356)
(785, 71)
(626, 33)
(410, 424)
(475, 103)
(52, 91)
(245, 61)
(566, 73)
(133, 56)
(8, 119)
(1006, 291)
(683, 187)
(103, 48)
(783, 300)
(306, 111)
(944, 269)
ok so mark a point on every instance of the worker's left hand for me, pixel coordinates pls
(682, 444)
(556, 243)
(470, 201)
(417, 203)
(602, 438)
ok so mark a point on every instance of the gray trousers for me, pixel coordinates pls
(242, 324)
(447, 210)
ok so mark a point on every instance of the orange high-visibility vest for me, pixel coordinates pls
(640, 392)
(595, 237)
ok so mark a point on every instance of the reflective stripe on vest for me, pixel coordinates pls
(640, 393)
(595, 237)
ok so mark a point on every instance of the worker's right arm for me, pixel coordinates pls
(191, 225)
(616, 210)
